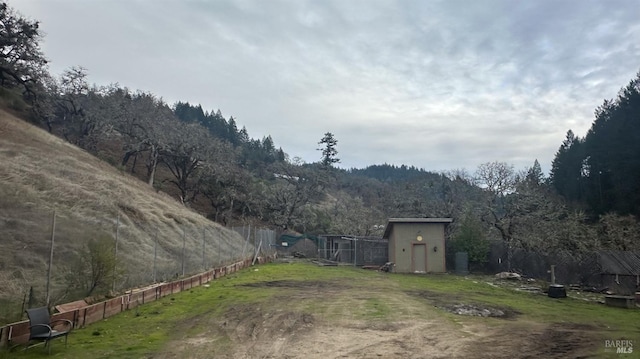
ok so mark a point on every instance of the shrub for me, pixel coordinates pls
(470, 237)
(96, 268)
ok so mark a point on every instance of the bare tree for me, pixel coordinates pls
(528, 214)
(226, 187)
(619, 232)
(191, 148)
(498, 179)
(85, 114)
(293, 187)
(350, 216)
(148, 126)
(70, 93)
(22, 63)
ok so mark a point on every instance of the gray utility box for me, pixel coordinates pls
(462, 263)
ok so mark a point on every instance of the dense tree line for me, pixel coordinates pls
(390, 173)
(589, 202)
(254, 154)
(600, 171)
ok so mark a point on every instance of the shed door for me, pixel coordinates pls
(419, 258)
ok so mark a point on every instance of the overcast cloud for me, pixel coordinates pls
(434, 84)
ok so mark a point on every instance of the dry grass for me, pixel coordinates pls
(41, 173)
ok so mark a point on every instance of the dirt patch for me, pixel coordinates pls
(537, 341)
(458, 305)
(435, 297)
(302, 290)
(251, 323)
(287, 334)
(287, 327)
(476, 310)
(294, 284)
(377, 326)
(242, 332)
(245, 332)
(275, 329)
(561, 341)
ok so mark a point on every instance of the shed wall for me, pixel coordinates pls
(392, 249)
(402, 239)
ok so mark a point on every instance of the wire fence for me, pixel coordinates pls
(613, 271)
(568, 268)
(83, 314)
(358, 251)
(262, 240)
(48, 260)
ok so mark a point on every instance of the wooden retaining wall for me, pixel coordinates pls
(18, 333)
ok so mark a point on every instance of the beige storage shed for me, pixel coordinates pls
(416, 245)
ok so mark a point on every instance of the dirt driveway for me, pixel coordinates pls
(338, 320)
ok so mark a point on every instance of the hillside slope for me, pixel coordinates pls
(40, 174)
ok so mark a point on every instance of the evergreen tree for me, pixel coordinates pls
(243, 136)
(233, 135)
(567, 168)
(534, 173)
(612, 154)
(329, 151)
(267, 146)
(601, 171)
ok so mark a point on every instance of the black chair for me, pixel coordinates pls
(41, 328)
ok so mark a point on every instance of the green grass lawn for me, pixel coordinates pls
(146, 330)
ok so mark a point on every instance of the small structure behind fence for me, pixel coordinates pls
(356, 250)
(620, 271)
(617, 271)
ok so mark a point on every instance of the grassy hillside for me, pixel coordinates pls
(41, 173)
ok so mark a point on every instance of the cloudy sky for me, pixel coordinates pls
(435, 84)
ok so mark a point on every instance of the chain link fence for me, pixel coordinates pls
(47, 258)
(263, 241)
(358, 251)
(568, 268)
(605, 270)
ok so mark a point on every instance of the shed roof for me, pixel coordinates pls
(620, 262)
(392, 221)
(328, 236)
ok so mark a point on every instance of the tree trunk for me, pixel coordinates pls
(135, 161)
(151, 173)
(152, 164)
(231, 209)
(509, 255)
(127, 155)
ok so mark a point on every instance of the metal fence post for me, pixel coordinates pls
(184, 241)
(355, 252)
(246, 242)
(203, 241)
(155, 255)
(115, 254)
(53, 232)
